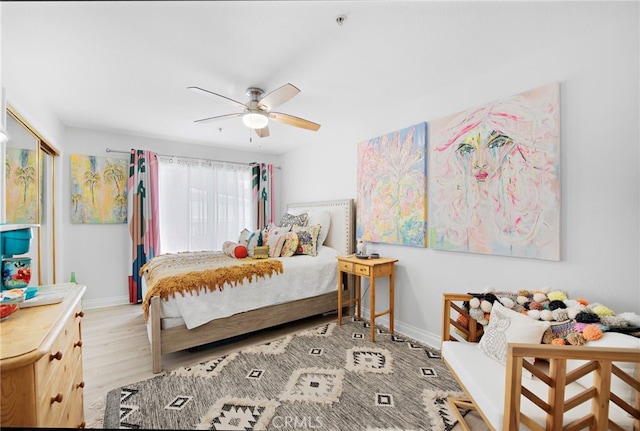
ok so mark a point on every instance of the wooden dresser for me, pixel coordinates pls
(41, 364)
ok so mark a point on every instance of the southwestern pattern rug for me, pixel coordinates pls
(327, 378)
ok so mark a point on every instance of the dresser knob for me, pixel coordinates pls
(80, 314)
(78, 344)
(57, 356)
(56, 399)
(82, 424)
(81, 384)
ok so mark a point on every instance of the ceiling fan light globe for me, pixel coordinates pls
(255, 120)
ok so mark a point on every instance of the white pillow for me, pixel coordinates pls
(323, 218)
(612, 339)
(508, 326)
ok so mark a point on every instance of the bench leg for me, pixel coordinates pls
(455, 404)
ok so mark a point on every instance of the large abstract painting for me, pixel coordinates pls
(98, 189)
(392, 202)
(495, 180)
(21, 185)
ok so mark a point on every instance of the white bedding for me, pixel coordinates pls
(303, 277)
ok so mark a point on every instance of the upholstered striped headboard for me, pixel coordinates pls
(342, 230)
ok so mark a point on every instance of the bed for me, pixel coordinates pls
(307, 286)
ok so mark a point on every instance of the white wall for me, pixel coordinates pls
(598, 70)
(99, 253)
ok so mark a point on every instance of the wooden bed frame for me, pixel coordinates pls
(341, 237)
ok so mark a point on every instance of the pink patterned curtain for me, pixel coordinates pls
(142, 199)
(262, 193)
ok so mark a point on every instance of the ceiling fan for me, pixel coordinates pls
(258, 111)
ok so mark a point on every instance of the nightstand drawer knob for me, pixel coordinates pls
(58, 356)
(78, 344)
(56, 399)
(80, 314)
(81, 384)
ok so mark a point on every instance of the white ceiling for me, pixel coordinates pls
(124, 66)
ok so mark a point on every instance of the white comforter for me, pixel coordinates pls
(303, 277)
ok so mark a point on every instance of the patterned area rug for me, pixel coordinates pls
(326, 378)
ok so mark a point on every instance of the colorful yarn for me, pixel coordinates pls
(601, 310)
(576, 339)
(558, 342)
(592, 332)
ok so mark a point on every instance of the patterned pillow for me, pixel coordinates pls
(275, 243)
(290, 244)
(252, 242)
(272, 229)
(243, 239)
(307, 239)
(233, 249)
(290, 219)
(508, 326)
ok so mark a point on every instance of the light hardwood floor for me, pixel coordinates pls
(116, 351)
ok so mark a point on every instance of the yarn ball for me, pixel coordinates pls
(591, 332)
(582, 301)
(490, 297)
(546, 315)
(601, 310)
(548, 336)
(463, 320)
(557, 296)
(573, 311)
(521, 299)
(560, 315)
(507, 302)
(476, 313)
(534, 314)
(614, 321)
(535, 305)
(576, 339)
(474, 302)
(539, 297)
(558, 342)
(587, 317)
(486, 306)
(524, 293)
(556, 303)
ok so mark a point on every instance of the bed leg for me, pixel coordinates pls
(156, 336)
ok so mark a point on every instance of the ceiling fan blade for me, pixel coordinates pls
(264, 132)
(202, 90)
(219, 117)
(293, 121)
(278, 96)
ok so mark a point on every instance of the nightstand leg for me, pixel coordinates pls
(339, 298)
(391, 294)
(358, 300)
(372, 304)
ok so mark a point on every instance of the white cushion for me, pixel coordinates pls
(484, 381)
(612, 339)
(508, 326)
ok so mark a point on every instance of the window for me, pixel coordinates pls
(202, 203)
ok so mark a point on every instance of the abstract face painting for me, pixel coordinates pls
(495, 181)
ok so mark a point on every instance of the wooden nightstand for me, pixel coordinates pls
(370, 268)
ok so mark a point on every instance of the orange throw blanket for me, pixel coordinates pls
(191, 272)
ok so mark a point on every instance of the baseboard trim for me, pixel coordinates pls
(407, 330)
(88, 304)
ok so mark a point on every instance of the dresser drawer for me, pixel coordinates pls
(345, 266)
(73, 416)
(64, 351)
(362, 269)
(57, 400)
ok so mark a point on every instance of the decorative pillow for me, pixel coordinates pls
(290, 219)
(233, 249)
(275, 243)
(307, 239)
(290, 244)
(323, 218)
(278, 230)
(244, 237)
(619, 387)
(508, 326)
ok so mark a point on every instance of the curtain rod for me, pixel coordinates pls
(109, 150)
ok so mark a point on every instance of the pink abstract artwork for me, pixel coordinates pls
(495, 177)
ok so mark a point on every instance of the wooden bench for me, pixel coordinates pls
(555, 398)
